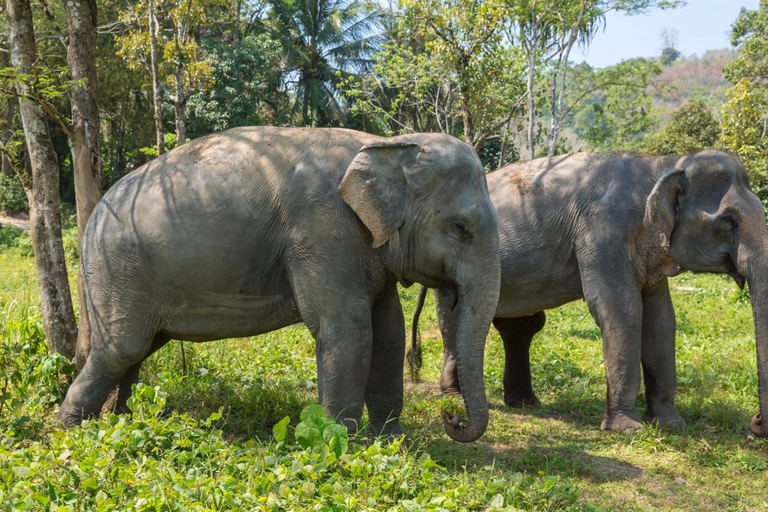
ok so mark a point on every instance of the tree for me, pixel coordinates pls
(547, 31)
(464, 39)
(324, 41)
(183, 68)
(745, 114)
(669, 51)
(43, 186)
(693, 128)
(614, 109)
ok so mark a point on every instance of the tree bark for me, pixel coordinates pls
(10, 110)
(154, 29)
(180, 106)
(84, 137)
(559, 92)
(45, 215)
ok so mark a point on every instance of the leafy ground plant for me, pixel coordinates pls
(231, 425)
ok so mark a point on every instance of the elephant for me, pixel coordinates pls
(252, 229)
(611, 228)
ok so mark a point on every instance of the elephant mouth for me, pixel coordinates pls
(739, 279)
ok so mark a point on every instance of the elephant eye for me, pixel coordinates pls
(462, 231)
(728, 221)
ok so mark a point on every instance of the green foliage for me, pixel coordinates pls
(324, 41)
(13, 199)
(10, 236)
(743, 131)
(620, 113)
(31, 379)
(750, 33)
(693, 128)
(668, 56)
(247, 86)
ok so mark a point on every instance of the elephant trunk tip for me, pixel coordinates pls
(463, 433)
(758, 427)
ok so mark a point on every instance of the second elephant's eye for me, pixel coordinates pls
(462, 232)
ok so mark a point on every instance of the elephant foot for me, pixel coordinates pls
(522, 401)
(388, 433)
(451, 391)
(621, 422)
(665, 418)
(758, 426)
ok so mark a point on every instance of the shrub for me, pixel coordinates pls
(13, 199)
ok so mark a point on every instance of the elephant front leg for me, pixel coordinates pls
(343, 347)
(384, 390)
(658, 357)
(618, 313)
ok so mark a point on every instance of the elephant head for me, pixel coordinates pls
(425, 201)
(713, 222)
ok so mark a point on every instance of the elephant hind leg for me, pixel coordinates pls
(111, 358)
(517, 334)
(131, 376)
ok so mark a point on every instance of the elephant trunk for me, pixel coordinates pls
(754, 269)
(476, 306)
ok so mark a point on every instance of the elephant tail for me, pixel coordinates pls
(414, 354)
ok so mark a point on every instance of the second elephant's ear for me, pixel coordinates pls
(661, 206)
(375, 186)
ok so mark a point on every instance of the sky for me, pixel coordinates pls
(701, 25)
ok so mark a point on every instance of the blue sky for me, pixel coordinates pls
(701, 25)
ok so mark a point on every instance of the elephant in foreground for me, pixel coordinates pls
(252, 229)
(612, 228)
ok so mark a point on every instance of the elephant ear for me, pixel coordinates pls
(376, 188)
(661, 206)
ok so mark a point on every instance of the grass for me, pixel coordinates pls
(176, 454)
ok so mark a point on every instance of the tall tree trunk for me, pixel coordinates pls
(10, 110)
(531, 107)
(7, 128)
(180, 106)
(84, 138)
(559, 92)
(45, 215)
(154, 30)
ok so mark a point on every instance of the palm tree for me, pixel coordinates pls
(325, 41)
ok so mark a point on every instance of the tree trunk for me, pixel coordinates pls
(154, 30)
(84, 138)
(180, 106)
(559, 92)
(10, 110)
(45, 215)
(531, 107)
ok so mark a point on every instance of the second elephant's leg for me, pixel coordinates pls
(445, 305)
(384, 390)
(658, 357)
(517, 334)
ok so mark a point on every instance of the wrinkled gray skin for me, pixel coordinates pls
(253, 229)
(611, 228)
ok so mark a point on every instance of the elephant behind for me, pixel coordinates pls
(252, 229)
(611, 228)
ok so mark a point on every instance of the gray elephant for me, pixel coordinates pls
(252, 229)
(611, 228)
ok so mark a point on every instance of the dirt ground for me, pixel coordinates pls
(20, 220)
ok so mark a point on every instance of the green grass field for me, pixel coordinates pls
(178, 454)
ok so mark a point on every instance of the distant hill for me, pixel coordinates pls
(693, 77)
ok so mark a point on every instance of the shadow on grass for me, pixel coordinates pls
(538, 456)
